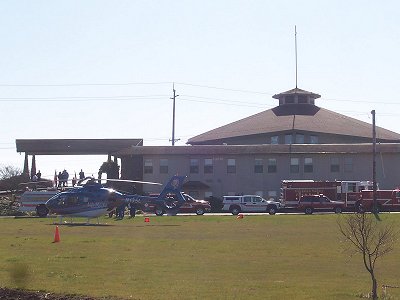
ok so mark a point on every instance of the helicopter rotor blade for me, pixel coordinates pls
(132, 181)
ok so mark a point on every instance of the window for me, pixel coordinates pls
(275, 140)
(247, 199)
(302, 99)
(258, 165)
(194, 166)
(208, 166)
(299, 138)
(272, 165)
(294, 165)
(148, 166)
(163, 166)
(289, 99)
(231, 167)
(313, 139)
(335, 167)
(256, 199)
(348, 164)
(352, 187)
(308, 165)
(288, 139)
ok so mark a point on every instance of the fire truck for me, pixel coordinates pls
(348, 191)
(387, 200)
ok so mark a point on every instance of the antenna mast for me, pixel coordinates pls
(295, 49)
(173, 140)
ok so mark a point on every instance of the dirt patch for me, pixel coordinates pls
(17, 294)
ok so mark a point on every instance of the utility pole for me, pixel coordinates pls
(173, 116)
(295, 49)
(374, 197)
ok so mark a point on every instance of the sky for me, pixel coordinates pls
(106, 69)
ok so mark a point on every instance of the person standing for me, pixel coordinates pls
(120, 211)
(55, 178)
(132, 209)
(60, 179)
(81, 175)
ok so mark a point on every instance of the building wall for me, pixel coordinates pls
(245, 180)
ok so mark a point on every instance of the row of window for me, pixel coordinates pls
(297, 138)
(271, 165)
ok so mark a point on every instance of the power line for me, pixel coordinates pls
(225, 89)
(83, 84)
(224, 102)
(79, 99)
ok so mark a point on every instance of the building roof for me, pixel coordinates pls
(299, 117)
(74, 146)
(298, 92)
(213, 150)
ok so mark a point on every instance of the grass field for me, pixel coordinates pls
(191, 257)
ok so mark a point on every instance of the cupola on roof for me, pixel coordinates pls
(296, 96)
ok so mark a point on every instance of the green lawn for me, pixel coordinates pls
(191, 257)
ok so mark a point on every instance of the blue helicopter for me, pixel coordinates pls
(91, 199)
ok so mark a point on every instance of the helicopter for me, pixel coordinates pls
(91, 199)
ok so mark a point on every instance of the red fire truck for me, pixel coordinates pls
(387, 200)
(348, 191)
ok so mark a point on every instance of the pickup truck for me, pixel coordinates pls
(249, 203)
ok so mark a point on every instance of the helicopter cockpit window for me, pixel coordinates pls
(68, 200)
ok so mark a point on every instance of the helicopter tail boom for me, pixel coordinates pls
(174, 186)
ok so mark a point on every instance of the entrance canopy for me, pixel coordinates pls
(74, 146)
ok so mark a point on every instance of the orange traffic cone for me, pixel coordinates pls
(240, 216)
(147, 220)
(56, 236)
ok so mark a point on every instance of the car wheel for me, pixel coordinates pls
(159, 211)
(338, 210)
(308, 211)
(200, 211)
(41, 210)
(235, 210)
(272, 209)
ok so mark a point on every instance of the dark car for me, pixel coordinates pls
(191, 205)
(311, 203)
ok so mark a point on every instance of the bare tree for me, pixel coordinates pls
(9, 171)
(10, 177)
(372, 239)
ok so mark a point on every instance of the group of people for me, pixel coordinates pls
(37, 176)
(61, 180)
(120, 211)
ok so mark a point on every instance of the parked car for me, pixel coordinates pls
(249, 203)
(191, 205)
(311, 203)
